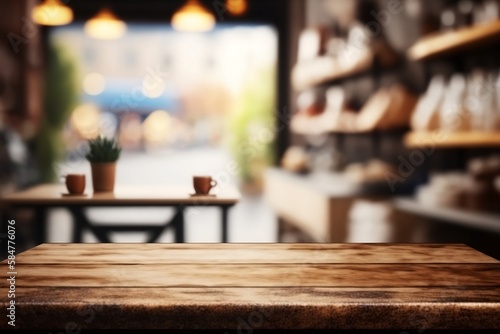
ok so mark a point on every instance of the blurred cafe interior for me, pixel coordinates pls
(337, 120)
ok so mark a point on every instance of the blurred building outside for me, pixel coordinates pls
(181, 104)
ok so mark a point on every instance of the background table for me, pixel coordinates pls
(256, 286)
(47, 196)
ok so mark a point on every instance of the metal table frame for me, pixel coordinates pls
(101, 231)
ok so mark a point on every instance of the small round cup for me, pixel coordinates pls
(75, 183)
(203, 184)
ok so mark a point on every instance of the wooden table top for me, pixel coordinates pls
(214, 286)
(52, 194)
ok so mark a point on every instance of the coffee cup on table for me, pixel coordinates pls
(75, 183)
(203, 184)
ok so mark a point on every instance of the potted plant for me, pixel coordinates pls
(102, 156)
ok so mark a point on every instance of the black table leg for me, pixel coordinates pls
(224, 223)
(178, 223)
(82, 222)
(40, 225)
(77, 236)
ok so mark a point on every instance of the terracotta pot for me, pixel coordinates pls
(103, 176)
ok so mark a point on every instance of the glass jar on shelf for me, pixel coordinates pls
(454, 116)
(449, 19)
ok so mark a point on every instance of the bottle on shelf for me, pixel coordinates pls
(491, 10)
(490, 113)
(425, 117)
(480, 101)
(453, 114)
(449, 19)
(486, 11)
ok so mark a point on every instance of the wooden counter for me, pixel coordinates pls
(317, 204)
(257, 286)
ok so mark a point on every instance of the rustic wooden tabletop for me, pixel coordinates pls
(56, 194)
(255, 286)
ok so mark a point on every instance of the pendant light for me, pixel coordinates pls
(236, 7)
(193, 17)
(105, 25)
(52, 13)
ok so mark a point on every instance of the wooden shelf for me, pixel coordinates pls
(439, 44)
(326, 69)
(315, 125)
(485, 221)
(442, 139)
(318, 125)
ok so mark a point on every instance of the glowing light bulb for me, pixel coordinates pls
(52, 13)
(105, 25)
(193, 17)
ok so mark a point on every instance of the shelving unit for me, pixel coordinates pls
(485, 221)
(326, 69)
(444, 43)
(440, 139)
(458, 50)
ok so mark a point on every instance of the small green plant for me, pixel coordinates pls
(103, 150)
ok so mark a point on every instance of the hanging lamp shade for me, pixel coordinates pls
(193, 17)
(236, 7)
(105, 25)
(52, 13)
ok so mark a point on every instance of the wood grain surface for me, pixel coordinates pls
(214, 286)
(252, 253)
(449, 42)
(52, 194)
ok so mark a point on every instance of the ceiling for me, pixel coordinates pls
(269, 11)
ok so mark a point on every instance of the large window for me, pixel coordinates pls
(200, 101)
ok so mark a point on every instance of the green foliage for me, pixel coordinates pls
(103, 150)
(252, 126)
(61, 88)
(48, 150)
(60, 98)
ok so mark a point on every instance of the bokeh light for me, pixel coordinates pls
(86, 120)
(193, 17)
(130, 135)
(94, 83)
(237, 7)
(153, 91)
(156, 127)
(52, 13)
(105, 25)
